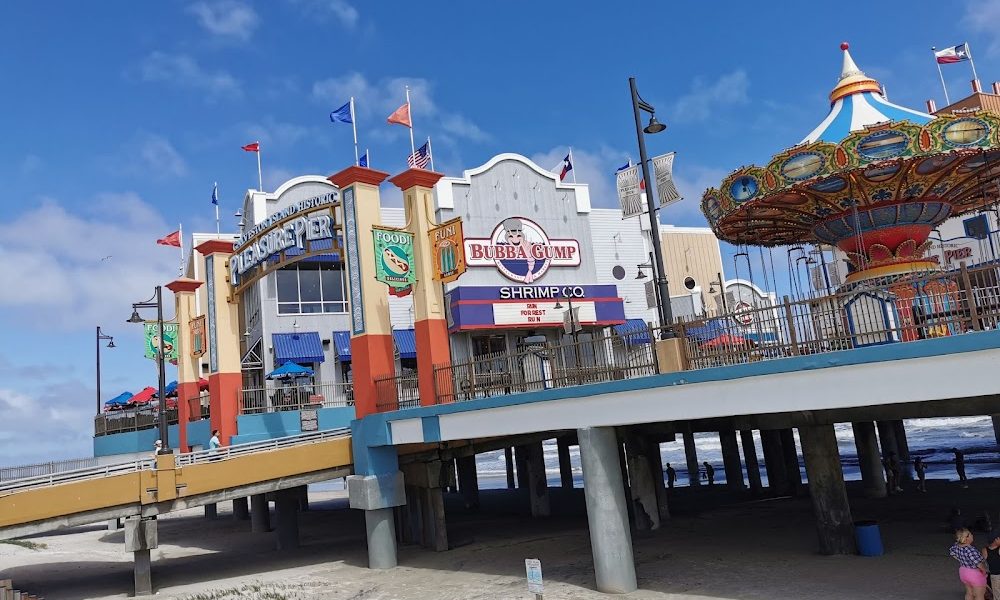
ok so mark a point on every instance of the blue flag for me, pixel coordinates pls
(215, 194)
(363, 161)
(342, 114)
(625, 166)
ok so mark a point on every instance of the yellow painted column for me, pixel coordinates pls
(187, 363)
(372, 351)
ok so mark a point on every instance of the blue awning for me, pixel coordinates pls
(342, 344)
(634, 331)
(406, 342)
(303, 347)
(119, 400)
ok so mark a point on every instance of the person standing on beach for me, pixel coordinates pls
(671, 476)
(891, 466)
(992, 555)
(972, 567)
(709, 472)
(960, 467)
(921, 469)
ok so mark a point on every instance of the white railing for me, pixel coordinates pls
(73, 475)
(278, 398)
(48, 468)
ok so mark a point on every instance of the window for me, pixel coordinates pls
(311, 287)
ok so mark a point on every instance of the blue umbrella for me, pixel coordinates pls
(170, 389)
(290, 370)
(710, 330)
(119, 400)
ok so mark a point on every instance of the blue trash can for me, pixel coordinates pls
(869, 538)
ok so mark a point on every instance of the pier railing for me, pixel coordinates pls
(132, 419)
(296, 397)
(396, 392)
(47, 468)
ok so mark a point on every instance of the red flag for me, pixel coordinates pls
(254, 147)
(173, 239)
(401, 116)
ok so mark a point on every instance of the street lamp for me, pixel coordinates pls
(572, 327)
(654, 126)
(135, 318)
(111, 344)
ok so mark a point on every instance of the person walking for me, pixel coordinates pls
(709, 472)
(992, 555)
(891, 466)
(960, 467)
(972, 566)
(921, 469)
(214, 443)
(671, 476)
(157, 446)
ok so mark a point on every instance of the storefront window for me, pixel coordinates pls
(309, 288)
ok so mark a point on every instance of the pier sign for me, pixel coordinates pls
(533, 568)
(394, 259)
(448, 246)
(521, 250)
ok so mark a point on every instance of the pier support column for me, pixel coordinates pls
(890, 445)
(750, 457)
(565, 466)
(286, 511)
(538, 485)
(868, 459)
(508, 457)
(610, 537)
(140, 538)
(260, 514)
(659, 485)
(774, 461)
(791, 457)
(380, 527)
(114, 524)
(646, 513)
(241, 511)
(826, 487)
(435, 530)
(211, 511)
(468, 480)
(731, 459)
(302, 492)
(691, 456)
(411, 524)
(521, 460)
(996, 428)
(903, 448)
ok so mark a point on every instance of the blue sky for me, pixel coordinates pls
(118, 117)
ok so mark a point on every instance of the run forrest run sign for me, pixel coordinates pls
(303, 229)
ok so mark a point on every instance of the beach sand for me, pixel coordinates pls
(718, 545)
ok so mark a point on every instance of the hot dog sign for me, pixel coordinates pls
(394, 259)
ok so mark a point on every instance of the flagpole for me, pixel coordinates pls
(968, 51)
(354, 126)
(571, 164)
(180, 236)
(368, 153)
(260, 176)
(409, 109)
(215, 193)
(430, 152)
(941, 75)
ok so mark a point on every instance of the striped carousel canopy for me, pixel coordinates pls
(857, 102)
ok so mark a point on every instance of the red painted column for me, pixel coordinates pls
(430, 326)
(372, 350)
(187, 363)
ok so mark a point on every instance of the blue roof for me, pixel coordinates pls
(303, 347)
(406, 342)
(855, 112)
(342, 345)
(635, 331)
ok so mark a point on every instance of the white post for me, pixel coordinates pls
(215, 190)
(260, 177)
(968, 51)
(180, 269)
(409, 109)
(430, 152)
(572, 163)
(941, 75)
(354, 126)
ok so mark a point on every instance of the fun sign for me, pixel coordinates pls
(520, 249)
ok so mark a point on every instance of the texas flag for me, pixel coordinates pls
(567, 166)
(952, 55)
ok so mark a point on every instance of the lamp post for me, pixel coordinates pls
(111, 344)
(572, 327)
(722, 292)
(135, 318)
(654, 126)
(640, 275)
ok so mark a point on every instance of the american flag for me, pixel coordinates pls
(420, 158)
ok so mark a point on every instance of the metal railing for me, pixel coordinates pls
(397, 392)
(189, 458)
(886, 311)
(279, 398)
(48, 468)
(132, 419)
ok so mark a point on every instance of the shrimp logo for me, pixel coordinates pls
(394, 259)
(520, 249)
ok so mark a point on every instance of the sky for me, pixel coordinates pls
(119, 116)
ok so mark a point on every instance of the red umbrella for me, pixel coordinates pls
(202, 384)
(727, 341)
(144, 396)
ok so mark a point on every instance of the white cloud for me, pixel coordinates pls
(182, 71)
(692, 181)
(707, 97)
(341, 10)
(981, 17)
(160, 156)
(48, 422)
(272, 133)
(81, 269)
(226, 18)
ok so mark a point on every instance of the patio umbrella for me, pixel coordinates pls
(202, 384)
(726, 340)
(144, 396)
(711, 329)
(290, 370)
(170, 389)
(119, 400)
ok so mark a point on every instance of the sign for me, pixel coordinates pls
(152, 340)
(520, 249)
(448, 247)
(394, 259)
(197, 328)
(527, 307)
(533, 569)
(650, 289)
(308, 420)
(629, 194)
(353, 263)
(743, 313)
(666, 191)
(543, 313)
(295, 227)
(213, 343)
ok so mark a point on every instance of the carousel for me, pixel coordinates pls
(873, 179)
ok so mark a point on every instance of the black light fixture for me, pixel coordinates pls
(135, 318)
(111, 344)
(558, 305)
(654, 126)
(640, 274)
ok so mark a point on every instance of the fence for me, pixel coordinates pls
(131, 420)
(279, 398)
(397, 392)
(37, 470)
(886, 311)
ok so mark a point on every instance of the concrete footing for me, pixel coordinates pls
(286, 512)
(114, 524)
(691, 458)
(141, 537)
(750, 458)
(538, 485)
(260, 514)
(241, 510)
(380, 527)
(610, 537)
(834, 524)
(731, 459)
(868, 459)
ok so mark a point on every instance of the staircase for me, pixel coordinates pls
(7, 592)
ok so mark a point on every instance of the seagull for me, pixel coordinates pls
(108, 257)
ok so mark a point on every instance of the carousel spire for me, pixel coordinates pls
(852, 79)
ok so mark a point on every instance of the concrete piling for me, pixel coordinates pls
(834, 524)
(260, 514)
(211, 511)
(141, 537)
(241, 510)
(380, 528)
(691, 457)
(286, 511)
(750, 458)
(645, 511)
(565, 466)
(521, 461)
(468, 480)
(791, 457)
(869, 462)
(731, 459)
(774, 461)
(538, 485)
(508, 455)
